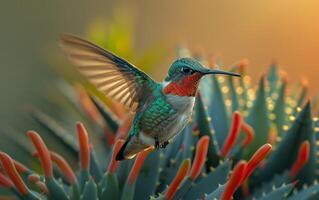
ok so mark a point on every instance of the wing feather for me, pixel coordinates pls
(111, 74)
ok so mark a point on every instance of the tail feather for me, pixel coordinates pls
(120, 155)
(131, 147)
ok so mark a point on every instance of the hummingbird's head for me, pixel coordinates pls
(184, 75)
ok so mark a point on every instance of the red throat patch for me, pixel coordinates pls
(187, 87)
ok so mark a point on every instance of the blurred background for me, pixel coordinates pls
(263, 31)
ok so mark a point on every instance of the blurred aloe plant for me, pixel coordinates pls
(221, 154)
(233, 122)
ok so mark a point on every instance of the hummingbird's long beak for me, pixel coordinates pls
(216, 71)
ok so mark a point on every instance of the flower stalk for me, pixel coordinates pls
(235, 180)
(232, 136)
(200, 157)
(302, 159)
(84, 147)
(181, 173)
(43, 152)
(8, 166)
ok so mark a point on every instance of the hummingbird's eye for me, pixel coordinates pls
(187, 70)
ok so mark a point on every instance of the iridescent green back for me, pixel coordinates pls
(157, 116)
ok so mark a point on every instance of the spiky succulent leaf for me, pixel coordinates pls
(278, 193)
(109, 187)
(286, 151)
(233, 94)
(202, 123)
(218, 113)
(280, 109)
(109, 118)
(217, 193)
(56, 189)
(307, 193)
(209, 183)
(258, 118)
(147, 180)
(90, 191)
(266, 187)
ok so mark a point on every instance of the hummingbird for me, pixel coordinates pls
(161, 110)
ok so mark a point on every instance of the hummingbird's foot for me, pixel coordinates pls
(164, 144)
(157, 144)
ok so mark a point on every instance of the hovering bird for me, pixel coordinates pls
(162, 110)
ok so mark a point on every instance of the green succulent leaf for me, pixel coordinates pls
(267, 187)
(109, 187)
(209, 183)
(217, 193)
(202, 123)
(286, 152)
(233, 94)
(278, 193)
(107, 115)
(280, 109)
(148, 177)
(307, 193)
(95, 168)
(56, 130)
(273, 78)
(218, 112)
(258, 118)
(56, 189)
(90, 191)
(169, 170)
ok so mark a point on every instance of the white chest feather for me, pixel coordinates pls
(184, 107)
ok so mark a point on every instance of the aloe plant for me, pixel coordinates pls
(244, 142)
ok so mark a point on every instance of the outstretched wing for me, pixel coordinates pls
(111, 74)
